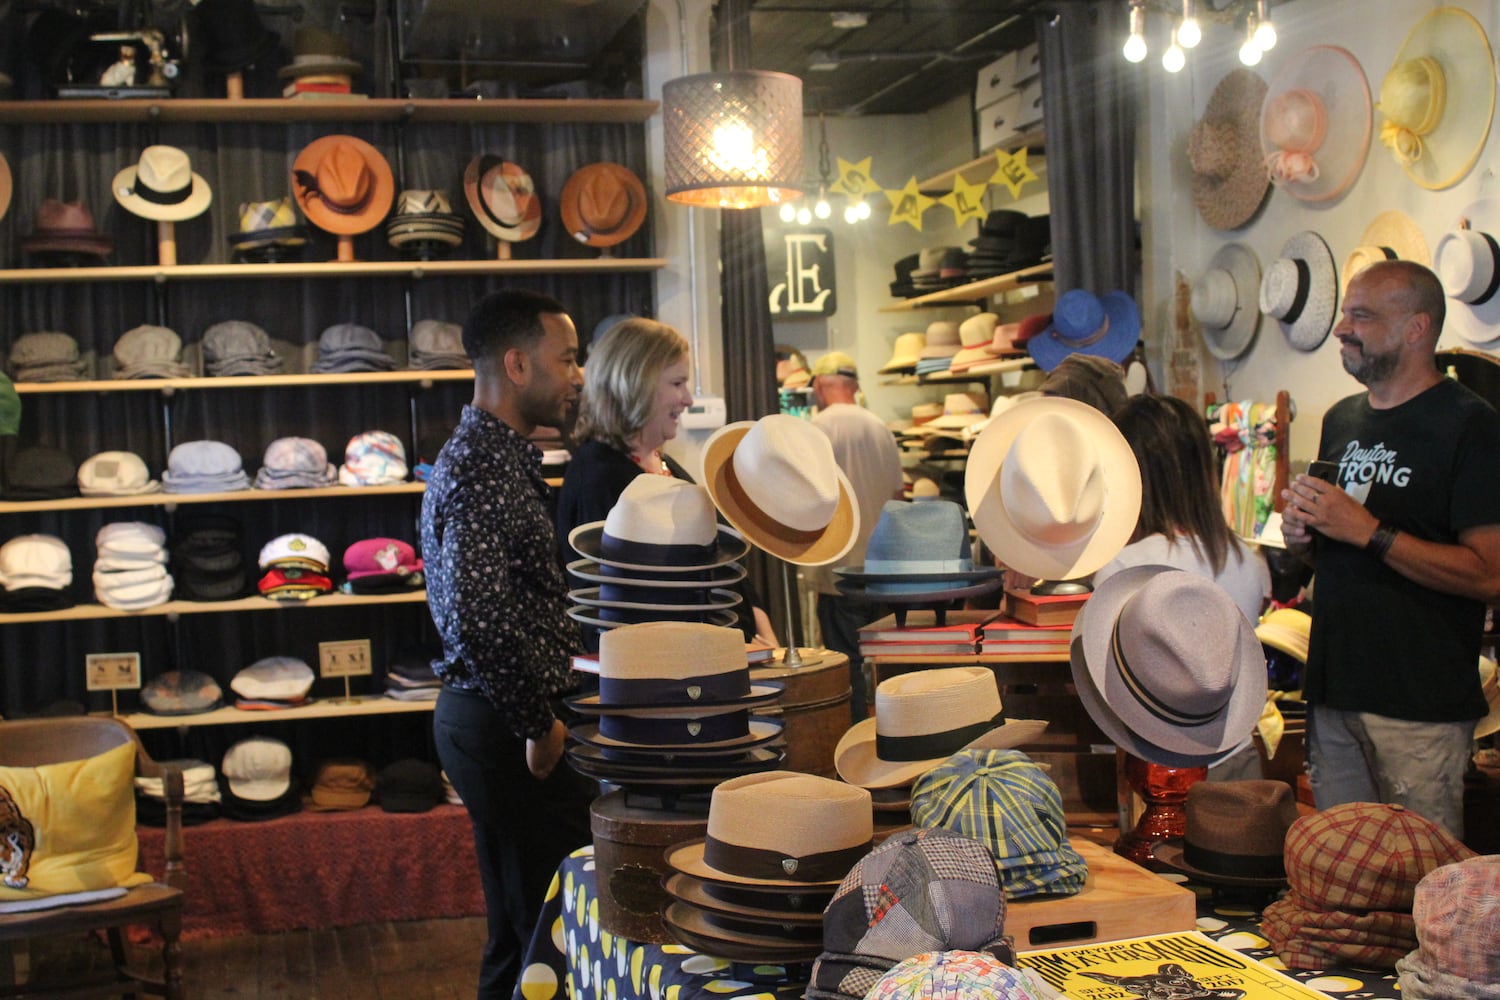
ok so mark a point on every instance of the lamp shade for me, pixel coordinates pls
(733, 139)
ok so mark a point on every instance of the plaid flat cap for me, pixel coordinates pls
(1004, 800)
(1353, 871)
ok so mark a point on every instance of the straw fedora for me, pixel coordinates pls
(602, 204)
(1235, 833)
(503, 198)
(659, 524)
(1108, 325)
(905, 353)
(1438, 98)
(1226, 300)
(1300, 290)
(1390, 235)
(1168, 666)
(918, 551)
(343, 184)
(1229, 180)
(1053, 488)
(780, 830)
(776, 480)
(6, 186)
(923, 718)
(1489, 724)
(162, 186)
(1467, 262)
(1315, 123)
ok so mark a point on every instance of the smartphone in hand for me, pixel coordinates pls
(1326, 471)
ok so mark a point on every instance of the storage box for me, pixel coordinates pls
(995, 80)
(629, 843)
(1029, 113)
(997, 123)
(1028, 64)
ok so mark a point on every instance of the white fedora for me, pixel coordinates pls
(659, 524)
(1467, 262)
(1053, 488)
(1300, 289)
(1226, 300)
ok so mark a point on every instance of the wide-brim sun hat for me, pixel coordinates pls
(1391, 235)
(1229, 179)
(1299, 289)
(1226, 301)
(1108, 325)
(1053, 488)
(503, 197)
(1467, 262)
(1315, 123)
(1168, 667)
(602, 204)
(162, 186)
(1438, 98)
(343, 184)
(775, 479)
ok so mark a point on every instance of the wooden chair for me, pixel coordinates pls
(34, 742)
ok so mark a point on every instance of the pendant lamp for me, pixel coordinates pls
(733, 139)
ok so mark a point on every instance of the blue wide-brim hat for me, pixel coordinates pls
(1085, 323)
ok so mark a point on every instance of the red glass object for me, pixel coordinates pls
(1164, 791)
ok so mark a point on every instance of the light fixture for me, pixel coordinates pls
(1265, 31)
(1250, 52)
(1189, 34)
(1174, 58)
(851, 213)
(803, 216)
(733, 139)
(847, 19)
(788, 212)
(1190, 22)
(1135, 45)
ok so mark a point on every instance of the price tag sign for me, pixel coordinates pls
(347, 658)
(113, 671)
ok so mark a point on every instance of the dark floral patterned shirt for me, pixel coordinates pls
(494, 586)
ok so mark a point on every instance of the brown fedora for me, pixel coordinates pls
(503, 198)
(343, 184)
(66, 227)
(603, 204)
(1236, 833)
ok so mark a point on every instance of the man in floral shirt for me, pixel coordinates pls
(499, 601)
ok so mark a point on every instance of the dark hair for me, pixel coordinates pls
(506, 319)
(1179, 491)
(1423, 292)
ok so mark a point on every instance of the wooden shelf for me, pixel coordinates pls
(233, 496)
(980, 169)
(90, 612)
(171, 385)
(975, 291)
(325, 708)
(416, 270)
(262, 110)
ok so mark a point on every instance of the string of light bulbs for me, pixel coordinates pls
(856, 211)
(1187, 31)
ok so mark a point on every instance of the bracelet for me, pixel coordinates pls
(1381, 541)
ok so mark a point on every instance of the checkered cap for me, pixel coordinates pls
(235, 339)
(954, 975)
(1457, 912)
(1004, 800)
(922, 890)
(1353, 871)
(148, 349)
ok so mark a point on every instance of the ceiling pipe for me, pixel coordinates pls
(953, 54)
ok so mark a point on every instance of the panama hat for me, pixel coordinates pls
(1315, 123)
(776, 480)
(162, 186)
(1108, 325)
(1053, 488)
(659, 524)
(923, 718)
(1489, 724)
(343, 184)
(1300, 289)
(1168, 666)
(1226, 300)
(1235, 833)
(602, 204)
(1390, 235)
(1467, 262)
(1438, 98)
(614, 595)
(503, 197)
(1229, 179)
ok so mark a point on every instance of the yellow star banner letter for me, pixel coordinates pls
(908, 204)
(1012, 171)
(966, 200)
(854, 179)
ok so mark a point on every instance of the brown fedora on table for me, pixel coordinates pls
(1236, 833)
(603, 204)
(503, 197)
(343, 184)
(66, 227)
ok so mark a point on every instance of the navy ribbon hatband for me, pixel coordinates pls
(930, 745)
(755, 863)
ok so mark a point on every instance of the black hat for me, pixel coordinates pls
(410, 785)
(41, 473)
(233, 35)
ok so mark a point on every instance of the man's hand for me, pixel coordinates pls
(1312, 503)
(542, 755)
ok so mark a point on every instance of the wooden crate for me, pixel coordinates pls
(1120, 900)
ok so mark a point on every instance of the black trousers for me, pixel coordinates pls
(523, 827)
(840, 617)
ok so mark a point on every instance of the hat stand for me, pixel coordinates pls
(1164, 790)
(166, 243)
(345, 253)
(503, 250)
(234, 85)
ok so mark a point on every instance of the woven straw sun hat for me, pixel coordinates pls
(1229, 180)
(602, 204)
(1300, 290)
(1438, 98)
(1467, 262)
(1390, 235)
(343, 184)
(1053, 488)
(1315, 123)
(1226, 300)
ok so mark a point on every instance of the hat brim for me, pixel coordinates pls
(1114, 709)
(1477, 325)
(587, 234)
(993, 522)
(530, 221)
(1395, 232)
(722, 599)
(687, 858)
(686, 889)
(855, 759)
(1170, 853)
(1230, 202)
(1332, 73)
(1315, 322)
(382, 193)
(950, 592)
(717, 576)
(595, 762)
(759, 695)
(695, 929)
(1233, 339)
(1458, 42)
(762, 731)
(1489, 724)
(199, 197)
(803, 548)
(98, 245)
(581, 615)
(587, 541)
(1047, 349)
(333, 64)
(7, 186)
(1286, 640)
(858, 574)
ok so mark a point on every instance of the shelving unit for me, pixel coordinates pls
(975, 291)
(174, 609)
(257, 110)
(325, 708)
(415, 270)
(170, 500)
(981, 168)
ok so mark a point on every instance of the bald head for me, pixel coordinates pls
(1414, 287)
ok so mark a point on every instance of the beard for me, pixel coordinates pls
(1370, 368)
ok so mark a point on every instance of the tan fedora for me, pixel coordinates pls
(503, 197)
(923, 718)
(1053, 488)
(776, 480)
(602, 204)
(1391, 235)
(780, 829)
(1236, 833)
(343, 184)
(162, 186)
(1229, 180)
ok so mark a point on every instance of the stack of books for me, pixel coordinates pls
(922, 637)
(1037, 609)
(1008, 636)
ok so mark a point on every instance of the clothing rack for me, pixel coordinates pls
(1263, 435)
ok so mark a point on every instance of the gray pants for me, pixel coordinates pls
(1364, 757)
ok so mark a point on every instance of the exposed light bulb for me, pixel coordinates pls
(863, 209)
(788, 211)
(1189, 34)
(822, 209)
(1250, 53)
(1174, 58)
(851, 214)
(803, 216)
(1135, 45)
(1265, 31)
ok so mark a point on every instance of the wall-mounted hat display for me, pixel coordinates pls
(1467, 262)
(1300, 289)
(1389, 236)
(1438, 98)
(1229, 179)
(1226, 301)
(602, 204)
(1315, 123)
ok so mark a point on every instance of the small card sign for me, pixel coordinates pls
(346, 658)
(113, 671)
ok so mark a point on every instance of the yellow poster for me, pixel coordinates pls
(1186, 964)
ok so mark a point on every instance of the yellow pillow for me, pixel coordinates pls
(68, 827)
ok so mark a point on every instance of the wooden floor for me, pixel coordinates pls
(417, 960)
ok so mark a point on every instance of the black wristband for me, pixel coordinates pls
(1381, 541)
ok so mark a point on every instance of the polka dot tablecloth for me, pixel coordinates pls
(572, 958)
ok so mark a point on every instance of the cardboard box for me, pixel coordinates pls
(995, 80)
(999, 123)
(1028, 64)
(1029, 113)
